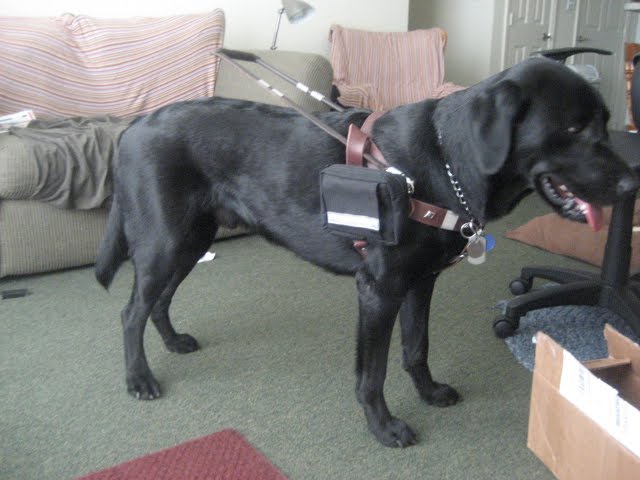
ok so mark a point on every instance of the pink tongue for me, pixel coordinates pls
(593, 214)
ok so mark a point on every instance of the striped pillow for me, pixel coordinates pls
(75, 65)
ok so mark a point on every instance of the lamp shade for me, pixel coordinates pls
(297, 10)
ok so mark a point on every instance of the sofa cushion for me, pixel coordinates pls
(76, 65)
(18, 169)
(38, 237)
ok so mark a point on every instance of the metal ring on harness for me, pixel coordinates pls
(469, 230)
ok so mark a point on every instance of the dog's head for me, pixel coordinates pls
(548, 126)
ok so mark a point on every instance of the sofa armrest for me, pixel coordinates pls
(311, 69)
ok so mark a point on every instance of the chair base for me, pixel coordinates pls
(574, 288)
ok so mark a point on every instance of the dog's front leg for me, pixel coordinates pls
(414, 323)
(378, 309)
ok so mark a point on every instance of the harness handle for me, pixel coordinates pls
(251, 57)
(224, 54)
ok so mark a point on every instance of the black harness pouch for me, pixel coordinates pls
(364, 204)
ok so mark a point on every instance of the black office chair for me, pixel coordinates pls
(612, 288)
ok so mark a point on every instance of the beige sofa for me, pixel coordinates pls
(40, 236)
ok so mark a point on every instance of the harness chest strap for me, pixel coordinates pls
(359, 142)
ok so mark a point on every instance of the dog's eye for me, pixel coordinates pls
(573, 129)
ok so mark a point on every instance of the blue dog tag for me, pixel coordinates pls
(491, 242)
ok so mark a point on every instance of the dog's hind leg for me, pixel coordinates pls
(159, 267)
(148, 285)
(378, 309)
(414, 323)
(197, 244)
(174, 341)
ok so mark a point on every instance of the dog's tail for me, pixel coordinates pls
(113, 250)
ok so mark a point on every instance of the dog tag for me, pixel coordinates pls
(491, 242)
(477, 250)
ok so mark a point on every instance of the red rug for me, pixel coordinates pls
(225, 455)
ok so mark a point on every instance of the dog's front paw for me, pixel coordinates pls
(143, 387)
(394, 433)
(182, 343)
(441, 395)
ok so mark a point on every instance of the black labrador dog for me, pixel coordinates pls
(194, 166)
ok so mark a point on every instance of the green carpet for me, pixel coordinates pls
(277, 361)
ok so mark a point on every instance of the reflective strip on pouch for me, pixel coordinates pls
(349, 220)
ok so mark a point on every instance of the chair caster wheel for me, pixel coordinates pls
(503, 328)
(519, 286)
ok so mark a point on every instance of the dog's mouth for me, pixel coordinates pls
(567, 204)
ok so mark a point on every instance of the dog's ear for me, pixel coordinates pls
(493, 116)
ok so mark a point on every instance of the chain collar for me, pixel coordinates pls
(473, 227)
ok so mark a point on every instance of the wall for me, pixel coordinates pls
(250, 23)
(472, 25)
(469, 27)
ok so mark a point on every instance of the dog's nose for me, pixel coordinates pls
(627, 186)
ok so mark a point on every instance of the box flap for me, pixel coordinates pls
(621, 347)
(549, 359)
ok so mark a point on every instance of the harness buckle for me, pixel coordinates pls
(470, 230)
(411, 187)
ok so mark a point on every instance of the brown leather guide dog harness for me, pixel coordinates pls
(359, 147)
(359, 142)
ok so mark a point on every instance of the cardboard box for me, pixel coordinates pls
(584, 421)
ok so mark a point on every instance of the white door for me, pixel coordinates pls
(528, 29)
(601, 25)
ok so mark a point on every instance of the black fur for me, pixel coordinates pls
(193, 166)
